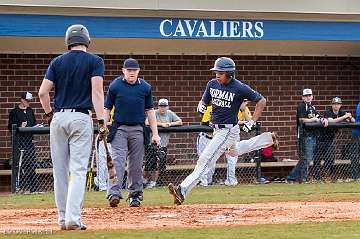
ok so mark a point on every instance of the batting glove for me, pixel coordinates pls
(248, 125)
(201, 108)
(103, 130)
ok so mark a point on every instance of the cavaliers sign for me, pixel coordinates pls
(195, 28)
(177, 28)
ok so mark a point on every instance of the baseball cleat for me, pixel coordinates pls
(176, 193)
(134, 202)
(114, 200)
(275, 138)
(75, 227)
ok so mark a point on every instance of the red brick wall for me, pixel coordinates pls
(182, 79)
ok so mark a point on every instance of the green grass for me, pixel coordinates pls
(216, 195)
(208, 195)
(326, 230)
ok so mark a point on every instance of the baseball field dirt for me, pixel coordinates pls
(187, 216)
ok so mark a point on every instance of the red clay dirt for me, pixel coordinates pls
(186, 216)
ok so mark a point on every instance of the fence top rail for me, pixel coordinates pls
(332, 125)
(173, 129)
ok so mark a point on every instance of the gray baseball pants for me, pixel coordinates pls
(222, 140)
(71, 136)
(128, 143)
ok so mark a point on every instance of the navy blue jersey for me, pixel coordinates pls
(71, 74)
(130, 101)
(226, 99)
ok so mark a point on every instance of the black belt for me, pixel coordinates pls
(73, 110)
(206, 135)
(222, 126)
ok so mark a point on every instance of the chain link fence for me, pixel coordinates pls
(336, 153)
(336, 157)
(32, 166)
(31, 160)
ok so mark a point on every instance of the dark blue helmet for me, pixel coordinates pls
(77, 35)
(224, 64)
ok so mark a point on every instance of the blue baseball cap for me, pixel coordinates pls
(131, 63)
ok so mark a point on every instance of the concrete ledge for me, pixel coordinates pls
(191, 166)
(5, 172)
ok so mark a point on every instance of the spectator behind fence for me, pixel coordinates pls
(156, 162)
(23, 116)
(307, 138)
(355, 159)
(326, 144)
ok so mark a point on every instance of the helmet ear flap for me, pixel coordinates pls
(230, 74)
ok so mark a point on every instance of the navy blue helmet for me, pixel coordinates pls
(224, 64)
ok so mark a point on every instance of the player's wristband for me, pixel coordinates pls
(51, 113)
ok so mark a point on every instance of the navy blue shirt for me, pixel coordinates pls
(226, 99)
(130, 101)
(71, 74)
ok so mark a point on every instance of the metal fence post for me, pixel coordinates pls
(15, 157)
(257, 154)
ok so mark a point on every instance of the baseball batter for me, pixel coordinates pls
(226, 94)
(77, 78)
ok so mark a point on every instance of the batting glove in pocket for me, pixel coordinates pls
(201, 108)
(248, 125)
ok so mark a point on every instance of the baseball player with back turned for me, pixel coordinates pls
(77, 77)
(226, 95)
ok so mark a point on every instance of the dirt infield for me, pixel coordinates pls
(147, 217)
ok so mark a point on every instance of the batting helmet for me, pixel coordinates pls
(77, 35)
(224, 64)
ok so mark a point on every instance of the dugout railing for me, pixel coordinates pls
(336, 155)
(32, 166)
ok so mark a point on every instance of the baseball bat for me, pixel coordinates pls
(17, 187)
(90, 173)
(109, 163)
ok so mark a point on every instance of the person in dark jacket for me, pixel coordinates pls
(23, 116)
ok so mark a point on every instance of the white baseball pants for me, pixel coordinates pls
(71, 135)
(223, 139)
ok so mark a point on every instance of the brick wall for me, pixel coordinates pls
(182, 79)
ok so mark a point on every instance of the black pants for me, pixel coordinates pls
(28, 180)
(155, 158)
